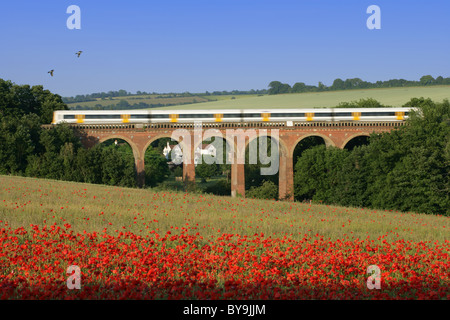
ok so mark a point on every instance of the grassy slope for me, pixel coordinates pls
(152, 99)
(391, 96)
(25, 201)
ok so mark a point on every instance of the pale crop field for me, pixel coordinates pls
(395, 97)
(163, 99)
(137, 99)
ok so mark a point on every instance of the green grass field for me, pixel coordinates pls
(391, 96)
(88, 207)
(395, 97)
(158, 99)
(149, 99)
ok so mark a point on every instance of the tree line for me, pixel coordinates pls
(97, 95)
(123, 93)
(125, 105)
(277, 87)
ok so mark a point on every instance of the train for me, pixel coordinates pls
(233, 115)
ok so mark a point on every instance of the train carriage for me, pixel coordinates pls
(243, 115)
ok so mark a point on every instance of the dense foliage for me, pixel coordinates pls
(27, 149)
(406, 169)
(17, 101)
(268, 190)
(277, 87)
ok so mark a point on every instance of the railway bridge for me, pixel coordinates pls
(140, 136)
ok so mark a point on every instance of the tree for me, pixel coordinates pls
(253, 177)
(117, 168)
(276, 87)
(299, 87)
(53, 140)
(268, 190)
(426, 80)
(17, 101)
(19, 138)
(206, 171)
(305, 144)
(321, 87)
(178, 171)
(220, 188)
(156, 168)
(67, 154)
(353, 83)
(123, 104)
(362, 103)
(316, 173)
(338, 84)
(88, 165)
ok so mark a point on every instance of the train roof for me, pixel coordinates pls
(232, 111)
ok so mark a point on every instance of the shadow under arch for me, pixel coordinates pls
(276, 169)
(184, 138)
(301, 145)
(158, 166)
(282, 147)
(134, 147)
(327, 141)
(158, 137)
(129, 153)
(357, 139)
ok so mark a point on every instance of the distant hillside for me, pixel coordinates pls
(394, 97)
(150, 101)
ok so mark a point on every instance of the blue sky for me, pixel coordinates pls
(208, 45)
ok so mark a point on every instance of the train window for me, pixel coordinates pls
(377, 114)
(287, 115)
(140, 116)
(342, 114)
(252, 115)
(102, 116)
(324, 114)
(160, 116)
(198, 115)
(69, 116)
(232, 115)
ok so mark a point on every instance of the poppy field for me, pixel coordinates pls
(141, 244)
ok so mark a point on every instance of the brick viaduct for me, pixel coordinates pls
(140, 136)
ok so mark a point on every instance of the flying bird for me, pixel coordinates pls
(79, 53)
(51, 72)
